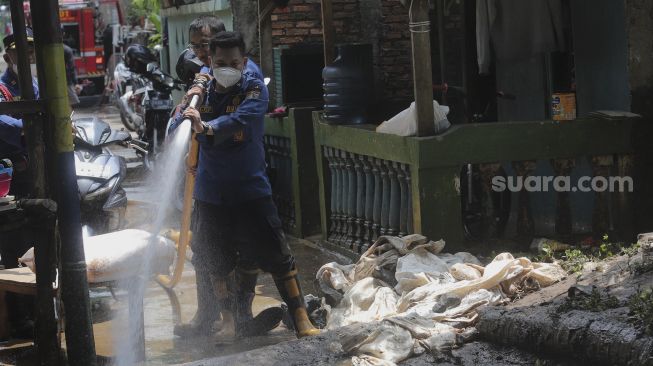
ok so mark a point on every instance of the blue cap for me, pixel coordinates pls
(10, 43)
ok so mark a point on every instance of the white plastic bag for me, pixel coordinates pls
(405, 122)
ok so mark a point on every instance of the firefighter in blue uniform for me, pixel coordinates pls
(236, 216)
(191, 61)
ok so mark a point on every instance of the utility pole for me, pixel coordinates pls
(328, 32)
(62, 182)
(420, 35)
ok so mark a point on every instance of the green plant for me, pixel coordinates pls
(573, 260)
(148, 9)
(595, 302)
(641, 307)
(631, 250)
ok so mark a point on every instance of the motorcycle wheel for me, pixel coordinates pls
(124, 112)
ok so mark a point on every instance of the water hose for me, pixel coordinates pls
(185, 233)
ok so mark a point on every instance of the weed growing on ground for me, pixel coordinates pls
(641, 307)
(573, 260)
(595, 302)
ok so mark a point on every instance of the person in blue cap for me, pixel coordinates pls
(11, 127)
(12, 146)
(193, 60)
(236, 216)
(9, 79)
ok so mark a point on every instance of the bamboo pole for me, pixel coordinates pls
(62, 182)
(422, 75)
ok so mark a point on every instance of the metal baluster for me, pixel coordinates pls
(378, 197)
(368, 162)
(409, 199)
(351, 200)
(281, 179)
(360, 202)
(395, 198)
(344, 181)
(385, 203)
(328, 154)
(339, 173)
(289, 186)
(403, 204)
(274, 168)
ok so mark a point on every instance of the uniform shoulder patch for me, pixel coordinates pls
(253, 92)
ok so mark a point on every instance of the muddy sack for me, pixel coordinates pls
(121, 255)
(421, 298)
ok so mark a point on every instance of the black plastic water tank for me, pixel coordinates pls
(348, 84)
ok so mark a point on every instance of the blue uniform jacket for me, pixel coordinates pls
(11, 128)
(232, 164)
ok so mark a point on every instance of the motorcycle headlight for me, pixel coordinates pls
(105, 189)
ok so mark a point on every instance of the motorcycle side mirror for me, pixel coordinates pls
(117, 137)
(151, 67)
(122, 135)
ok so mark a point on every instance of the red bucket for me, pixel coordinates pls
(5, 182)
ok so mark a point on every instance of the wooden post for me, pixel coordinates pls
(422, 75)
(327, 32)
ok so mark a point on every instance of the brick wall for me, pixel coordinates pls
(394, 59)
(301, 22)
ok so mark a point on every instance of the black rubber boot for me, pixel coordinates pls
(291, 293)
(246, 324)
(227, 304)
(208, 310)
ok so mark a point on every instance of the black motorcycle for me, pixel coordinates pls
(100, 173)
(153, 90)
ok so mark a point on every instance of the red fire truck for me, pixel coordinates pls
(83, 23)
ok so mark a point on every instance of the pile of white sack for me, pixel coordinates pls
(121, 255)
(424, 299)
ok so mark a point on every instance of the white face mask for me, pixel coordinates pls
(227, 76)
(32, 68)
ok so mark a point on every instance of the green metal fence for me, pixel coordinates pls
(373, 184)
(291, 168)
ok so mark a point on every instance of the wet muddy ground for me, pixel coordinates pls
(160, 309)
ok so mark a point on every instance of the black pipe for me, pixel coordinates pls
(42, 221)
(80, 342)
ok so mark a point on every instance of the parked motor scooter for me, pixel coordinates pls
(153, 88)
(129, 105)
(100, 173)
